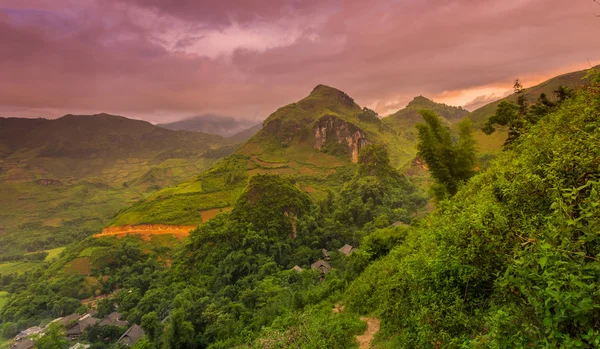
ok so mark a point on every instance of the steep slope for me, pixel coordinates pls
(573, 80)
(59, 178)
(509, 262)
(225, 126)
(316, 141)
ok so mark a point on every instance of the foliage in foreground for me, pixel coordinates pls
(512, 261)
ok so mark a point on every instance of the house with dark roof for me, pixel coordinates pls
(82, 324)
(113, 319)
(321, 266)
(132, 335)
(347, 249)
(26, 344)
(70, 320)
(28, 332)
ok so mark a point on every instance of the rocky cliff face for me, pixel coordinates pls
(331, 132)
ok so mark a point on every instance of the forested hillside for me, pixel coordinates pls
(61, 180)
(316, 141)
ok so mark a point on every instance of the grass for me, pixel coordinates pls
(3, 299)
(53, 254)
(17, 267)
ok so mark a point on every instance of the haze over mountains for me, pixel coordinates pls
(225, 126)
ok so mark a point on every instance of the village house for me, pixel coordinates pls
(297, 268)
(23, 335)
(347, 250)
(113, 319)
(132, 335)
(81, 325)
(321, 266)
(25, 344)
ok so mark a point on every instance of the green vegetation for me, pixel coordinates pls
(53, 338)
(572, 80)
(450, 164)
(231, 283)
(3, 299)
(512, 259)
(517, 116)
(303, 140)
(62, 180)
(53, 254)
(17, 267)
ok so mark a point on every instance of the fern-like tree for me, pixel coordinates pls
(450, 162)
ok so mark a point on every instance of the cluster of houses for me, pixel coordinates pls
(76, 325)
(322, 265)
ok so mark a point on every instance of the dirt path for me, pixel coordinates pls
(365, 339)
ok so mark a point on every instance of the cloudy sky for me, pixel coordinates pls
(161, 60)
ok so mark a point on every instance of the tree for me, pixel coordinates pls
(152, 326)
(449, 163)
(510, 114)
(516, 116)
(178, 333)
(53, 338)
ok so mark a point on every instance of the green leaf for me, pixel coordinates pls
(543, 261)
(547, 321)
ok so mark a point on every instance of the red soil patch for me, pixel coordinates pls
(146, 231)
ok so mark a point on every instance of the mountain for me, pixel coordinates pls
(316, 141)
(573, 80)
(61, 177)
(409, 116)
(225, 126)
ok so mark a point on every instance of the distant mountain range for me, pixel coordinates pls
(225, 126)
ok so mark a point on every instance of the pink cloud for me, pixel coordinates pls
(159, 60)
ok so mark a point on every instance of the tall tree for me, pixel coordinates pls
(450, 163)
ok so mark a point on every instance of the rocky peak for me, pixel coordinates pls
(335, 135)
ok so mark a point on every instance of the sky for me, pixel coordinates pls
(162, 60)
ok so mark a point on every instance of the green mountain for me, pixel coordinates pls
(64, 176)
(573, 80)
(409, 116)
(316, 141)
